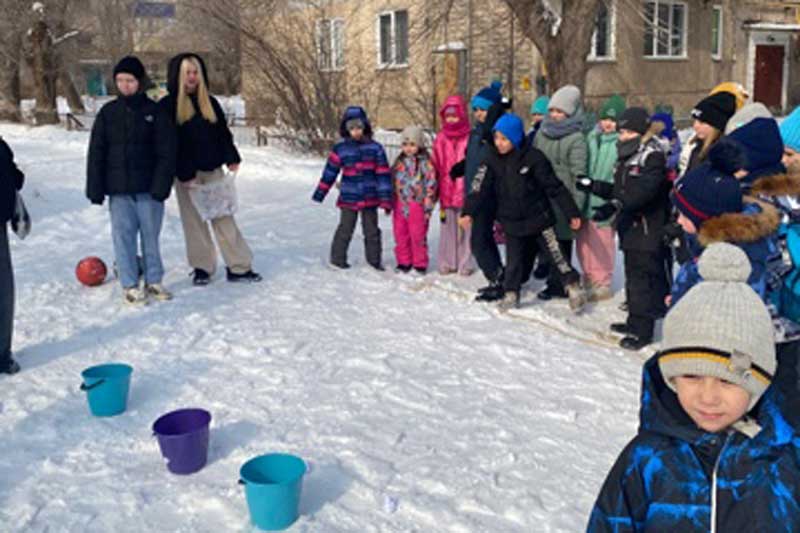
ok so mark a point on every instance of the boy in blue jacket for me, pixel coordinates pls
(718, 447)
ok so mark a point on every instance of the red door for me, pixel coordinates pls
(769, 75)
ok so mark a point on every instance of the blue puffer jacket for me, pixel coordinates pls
(664, 479)
(753, 230)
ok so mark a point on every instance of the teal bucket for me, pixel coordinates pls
(106, 388)
(272, 486)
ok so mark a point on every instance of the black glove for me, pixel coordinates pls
(606, 211)
(673, 234)
(584, 184)
(457, 170)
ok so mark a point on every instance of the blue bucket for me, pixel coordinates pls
(272, 486)
(107, 388)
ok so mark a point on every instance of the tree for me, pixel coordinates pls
(10, 58)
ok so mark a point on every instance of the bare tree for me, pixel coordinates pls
(10, 57)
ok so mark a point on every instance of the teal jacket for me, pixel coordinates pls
(602, 158)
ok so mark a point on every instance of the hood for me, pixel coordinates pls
(669, 126)
(351, 113)
(757, 221)
(661, 412)
(173, 71)
(460, 128)
(781, 184)
(763, 147)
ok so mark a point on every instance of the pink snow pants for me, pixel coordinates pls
(455, 254)
(410, 235)
(596, 251)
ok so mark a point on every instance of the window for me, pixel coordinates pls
(393, 39)
(603, 39)
(330, 44)
(665, 29)
(716, 32)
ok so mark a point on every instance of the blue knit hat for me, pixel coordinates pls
(539, 106)
(487, 96)
(763, 147)
(512, 128)
(669, 124)
(790, 130)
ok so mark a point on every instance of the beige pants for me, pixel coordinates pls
(200, 249)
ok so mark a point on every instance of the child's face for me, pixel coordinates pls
(479, 114)
(702, 129)
(452, 119)
(536, 118)
(557, 115)
(627, 135)
(127, 84)
(503, 145)
(607, 125)
(712, 403)
(791, 159)
(356, 132)
(410, 148)
(687, 224)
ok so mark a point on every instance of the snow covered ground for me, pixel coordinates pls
(416, 409)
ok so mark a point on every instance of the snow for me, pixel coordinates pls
(416, 409)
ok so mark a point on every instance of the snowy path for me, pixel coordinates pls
(471, 421)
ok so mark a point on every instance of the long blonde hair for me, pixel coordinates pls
(708, 143)
(185, 109)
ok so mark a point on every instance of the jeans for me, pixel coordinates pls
(136, 218)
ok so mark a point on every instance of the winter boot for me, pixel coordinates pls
(577, 297)
(11, 368)
(158, 292)
(622, 328)
(634, 343)
(403, 269)
(420, 270)
(134, 296)
(492, 293)
(200, 277)
(550, 293)
(509, 301)
(246, 277)
(599, 293)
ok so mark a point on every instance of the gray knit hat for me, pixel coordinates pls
(747, 113)
(567, 99)
(721, 328)
(413, 134)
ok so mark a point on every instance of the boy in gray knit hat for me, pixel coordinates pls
(718, 448)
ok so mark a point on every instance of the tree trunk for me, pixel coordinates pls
(43, 69)
(73, 96)
(9, 89)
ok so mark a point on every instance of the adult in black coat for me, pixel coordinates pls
(11, 180)
(204, 145)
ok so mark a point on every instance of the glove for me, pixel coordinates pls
(584, 184)
(673, 234)
(457, 170)
(606, 211)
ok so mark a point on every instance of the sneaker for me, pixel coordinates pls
(404, 269)
(158, 292)
(200, 277)
(577, 297)
(509, 301)
(550, 293)
(632, 342)
(621, 327)
(599, 293)
(134, 296)
(248, 277)
(11, 368)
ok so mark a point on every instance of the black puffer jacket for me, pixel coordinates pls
(11, 180)
(520, 184)
(202, 145)
(132, 150)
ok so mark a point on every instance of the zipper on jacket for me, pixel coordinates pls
(714, 486)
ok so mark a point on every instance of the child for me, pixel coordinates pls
(521, 182)
(639, 208)
(561, 140)
(366, 185)
(11, 181)
(131, 160)
(414, 197)
(487, 108)
(717, 447)
(538, 111)
(595, 240)
(790, 133)
(449, 148)
(710, 118)
(663, 128)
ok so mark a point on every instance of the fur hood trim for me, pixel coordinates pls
(777, 185)
(741, 227)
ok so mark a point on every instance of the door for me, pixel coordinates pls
(768, 84)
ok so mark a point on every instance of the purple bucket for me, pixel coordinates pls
(183, 439)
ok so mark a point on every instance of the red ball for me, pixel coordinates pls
(91, 271)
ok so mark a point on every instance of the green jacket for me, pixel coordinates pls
(602, 158)
(568, 157)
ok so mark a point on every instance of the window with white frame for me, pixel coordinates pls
(393, 39)
(716, 32)
(603, 39)
(665, 28)
(330, 44)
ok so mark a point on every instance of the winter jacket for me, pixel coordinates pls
(131, 150)
(602, 158)
(752, 230)
(201, 145)
(522, 185)
(449, 148)
(641, 189)
(568, 155)
(366, 176)
(11, 180)
(674, 477)
(481, 140)
(414, 180)
(531, 136)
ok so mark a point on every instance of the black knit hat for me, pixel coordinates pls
(635, 119)
(130, 65)
(716, 109)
